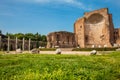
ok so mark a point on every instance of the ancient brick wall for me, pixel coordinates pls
(79, 32)
(12, 44)
(117, 35)
(98, 29)
(111, 26)
(61, 39)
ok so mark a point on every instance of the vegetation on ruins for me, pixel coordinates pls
(47, 49)
(37, 40)
(98, 49)
(33, 37)
(59, 67)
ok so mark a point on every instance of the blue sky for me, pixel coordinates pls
(46, 16)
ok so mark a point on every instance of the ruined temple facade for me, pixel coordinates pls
(61, 39)
(94, 29)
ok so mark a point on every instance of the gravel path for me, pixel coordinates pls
(53, 52)
(63, 52)
(66, 52)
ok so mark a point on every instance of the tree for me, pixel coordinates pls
(10, 35)
(29, 35)
(37, 37)
(33, 37)
(37, 44)
(19, 35)
(44, 39)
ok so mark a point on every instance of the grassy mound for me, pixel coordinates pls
(47, 49)
(59, 67)
(90, 49)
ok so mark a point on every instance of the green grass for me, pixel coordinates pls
(98, 49)
(47, 49)
(59, 67)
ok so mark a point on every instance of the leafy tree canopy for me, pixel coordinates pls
(34, 37)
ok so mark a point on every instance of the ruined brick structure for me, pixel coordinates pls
(12, 45)
(95, 29)
(117, 36)
(62, 39)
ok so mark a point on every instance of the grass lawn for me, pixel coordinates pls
(59, 67)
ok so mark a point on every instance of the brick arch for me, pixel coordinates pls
(95, 18)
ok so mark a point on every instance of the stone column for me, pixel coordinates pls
(23, 44)
(8, 48)
(16, 43)
(0, 42)
(29, 43)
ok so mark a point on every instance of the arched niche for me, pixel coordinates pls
(95, 19)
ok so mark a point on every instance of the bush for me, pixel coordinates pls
(90, 49)
(47, 49)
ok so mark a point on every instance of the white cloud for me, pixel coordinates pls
(74, 3)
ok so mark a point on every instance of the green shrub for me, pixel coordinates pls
(47, 49)
(90, 49)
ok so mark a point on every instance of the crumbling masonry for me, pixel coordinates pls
(95, 29)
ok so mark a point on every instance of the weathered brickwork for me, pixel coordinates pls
(61, 39)
(95, 29)
(117, 36)
(12, 45)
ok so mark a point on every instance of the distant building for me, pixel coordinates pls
(95, 29)
(61, 39)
